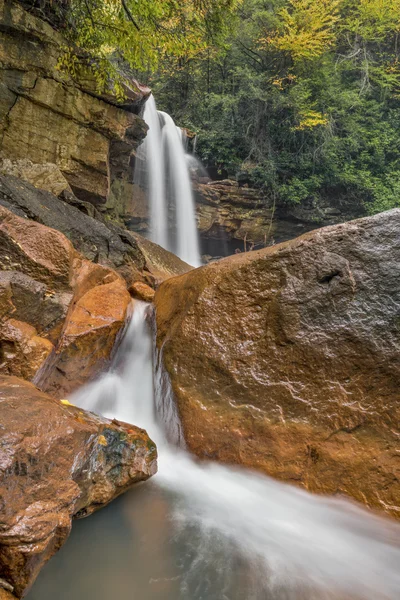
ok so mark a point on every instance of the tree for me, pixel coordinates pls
(141, 32)
(305, 99)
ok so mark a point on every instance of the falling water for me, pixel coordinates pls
(150, 172)
(234, 534)
(162, 169)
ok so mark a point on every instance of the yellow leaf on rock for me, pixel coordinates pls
(66, 403)
(102, 440)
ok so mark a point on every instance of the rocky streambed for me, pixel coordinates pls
(284, 360)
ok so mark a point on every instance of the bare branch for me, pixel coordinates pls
(129, 15)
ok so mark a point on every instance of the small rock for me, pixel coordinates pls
(142, 291)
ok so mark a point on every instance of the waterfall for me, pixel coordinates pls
(161, 168)
(150, 173)
(295, 543)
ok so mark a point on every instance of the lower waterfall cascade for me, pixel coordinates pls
(234, 534)
(162, 169)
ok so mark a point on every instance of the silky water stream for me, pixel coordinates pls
(203, 531)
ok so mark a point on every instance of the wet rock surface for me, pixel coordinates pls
(142, 291)
(56, 462)
(88, 338)
(93, 238)
(55, 306)
(100, 241)
(287, 359)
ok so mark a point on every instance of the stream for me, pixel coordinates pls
(204, 531)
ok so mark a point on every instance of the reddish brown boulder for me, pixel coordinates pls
(56, 462)
(5, 595)
(142, 291)
(50, 295)
(287, 359)
(89, 337)
(23, 352)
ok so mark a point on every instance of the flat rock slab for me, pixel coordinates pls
(57, 462)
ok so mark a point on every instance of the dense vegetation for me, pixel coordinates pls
(301, 97)
(304, 98)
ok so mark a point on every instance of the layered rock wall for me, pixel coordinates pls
(47, 117)
(238, 217)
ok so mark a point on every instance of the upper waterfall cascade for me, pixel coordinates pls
(299, 545)
(162, 169)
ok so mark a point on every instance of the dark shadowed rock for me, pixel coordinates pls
(100, 241)
(287, 359)
(160, 263)
(89, 236)
(56, 462)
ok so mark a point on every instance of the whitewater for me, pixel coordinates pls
(250, 536)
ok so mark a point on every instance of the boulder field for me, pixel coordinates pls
(64, 285)
(286, 360)
(55, 306)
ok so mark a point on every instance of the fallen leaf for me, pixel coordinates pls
(66, 403)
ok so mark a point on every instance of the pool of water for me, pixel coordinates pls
(138, 548)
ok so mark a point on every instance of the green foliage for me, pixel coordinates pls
(141, 33)
(305, 98)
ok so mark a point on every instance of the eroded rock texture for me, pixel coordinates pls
(55, 306)
(56, 462)
(226, 210)
(287, 359)
(48, 118)
(100, 241)
(232, 217)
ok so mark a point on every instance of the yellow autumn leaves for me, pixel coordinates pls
(308, 28)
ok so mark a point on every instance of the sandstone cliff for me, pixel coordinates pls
(233, 217)
(47, 117)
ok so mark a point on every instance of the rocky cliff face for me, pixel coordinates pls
(56, 462)
(232, 217)
(287, 359)
(55, 302)
(48, 118)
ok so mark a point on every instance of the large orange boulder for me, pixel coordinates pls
(60, 314)
(56, 462)
(89, 337)
(287, 359)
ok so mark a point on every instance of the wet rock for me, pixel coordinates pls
(142, 291)
(5, 595)
(287, 359)
(91, 237)
(51, 296)
(22, 351)
(104, 242)
(88, 339)
(159, 263)
(32, 301)
(56, 462)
